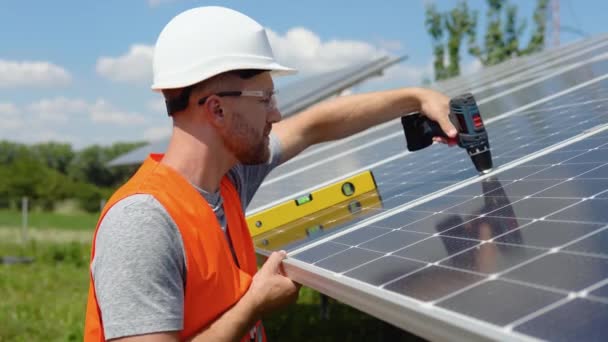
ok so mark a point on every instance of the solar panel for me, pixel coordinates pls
(449, 255)
(515, 252)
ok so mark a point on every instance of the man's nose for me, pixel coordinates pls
(274, 116)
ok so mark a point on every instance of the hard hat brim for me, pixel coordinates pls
(193, 77)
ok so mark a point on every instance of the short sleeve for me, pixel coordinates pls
(139, 269)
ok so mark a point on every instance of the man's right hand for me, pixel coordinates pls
(271, 289)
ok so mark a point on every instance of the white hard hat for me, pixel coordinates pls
(206, 41)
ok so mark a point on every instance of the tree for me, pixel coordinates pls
(434, 25)
(501, 39)
(90, 164)
(10, 152)
(57, 156)
(458, 22)
(48, 173)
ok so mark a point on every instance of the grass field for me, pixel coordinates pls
(45, 300)
(46, 220)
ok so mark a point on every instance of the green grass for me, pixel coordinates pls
(46, 300)
(49, 220)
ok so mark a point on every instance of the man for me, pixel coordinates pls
(172, 258)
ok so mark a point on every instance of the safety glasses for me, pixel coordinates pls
(268, 98)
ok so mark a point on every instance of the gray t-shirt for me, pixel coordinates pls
(139, 268)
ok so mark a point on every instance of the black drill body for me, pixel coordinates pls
(465, 116)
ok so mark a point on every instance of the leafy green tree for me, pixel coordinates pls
(458, 22)
(30, 177)
(90, 164)
(434, 25)
(10, 151)
(501, 38)
(537, 39)
(49, 173)
(57, 156)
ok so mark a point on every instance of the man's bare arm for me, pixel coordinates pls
(347, 115)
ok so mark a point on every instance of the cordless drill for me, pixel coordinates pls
(464, 115)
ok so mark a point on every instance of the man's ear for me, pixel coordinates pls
(215, 112)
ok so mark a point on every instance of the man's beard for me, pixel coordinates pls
(247, 145)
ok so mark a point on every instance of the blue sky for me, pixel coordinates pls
(80, 71)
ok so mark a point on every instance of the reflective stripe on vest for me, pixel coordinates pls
(214, 283)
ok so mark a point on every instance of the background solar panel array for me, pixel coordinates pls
(523, 251)
(512, 71)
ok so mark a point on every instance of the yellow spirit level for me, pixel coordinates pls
(310, 203)
(318, 224)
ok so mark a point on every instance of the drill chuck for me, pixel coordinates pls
(482, 161)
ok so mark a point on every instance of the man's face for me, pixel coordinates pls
(250, 121)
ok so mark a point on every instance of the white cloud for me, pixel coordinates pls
(76, 121)
(50, 135)
(57, 109)
(135, 66)
(304, 50)
(157, 133)
(10, 116)
(32, 74)
(8, 109)
(103, 112)
(60, 110)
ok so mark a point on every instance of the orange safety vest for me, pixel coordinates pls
(214, 283)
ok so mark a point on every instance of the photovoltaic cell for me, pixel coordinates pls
(582, 271)
(384, 269)
(436, 248)
(601, 292)
(500, 302)
(576, 320)
(548, 234)
(592, 244)
(432, 283)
